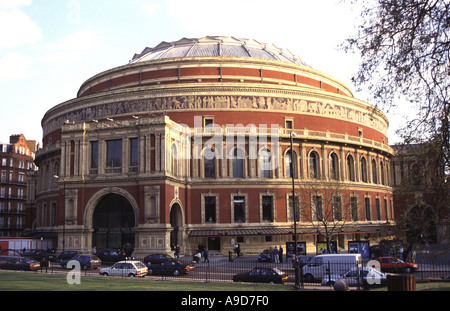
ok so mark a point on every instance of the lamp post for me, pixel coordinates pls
(296, 266)
(64, 212)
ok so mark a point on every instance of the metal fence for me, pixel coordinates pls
(222, 269)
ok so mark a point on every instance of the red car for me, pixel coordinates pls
(393, 264)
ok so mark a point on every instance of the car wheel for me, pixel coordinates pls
(104, 274)
(407, 270)
(308, 278)
(150, 271)
(176, 272)
(131, 275)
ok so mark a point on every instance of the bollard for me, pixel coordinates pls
(341, 286)
(401, 282)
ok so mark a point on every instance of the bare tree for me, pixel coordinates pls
(326, 206)
(405, 60)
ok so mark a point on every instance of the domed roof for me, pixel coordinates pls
(216, 46)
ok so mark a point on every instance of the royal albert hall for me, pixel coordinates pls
(190, 144)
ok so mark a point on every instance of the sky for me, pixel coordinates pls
(48, 48)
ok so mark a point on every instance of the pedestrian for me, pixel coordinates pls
(94, 250)
(276, 255)
(281, 254)
(177, 251)
(205, 255)
(237, 249)
(44, 263)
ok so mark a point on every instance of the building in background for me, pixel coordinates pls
(190, 144)
(422, 191)
(16, 162)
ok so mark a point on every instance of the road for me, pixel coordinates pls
(220, 269)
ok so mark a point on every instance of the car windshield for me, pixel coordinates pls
(277, 271)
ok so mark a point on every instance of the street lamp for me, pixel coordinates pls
(64, 212)
(296, 267)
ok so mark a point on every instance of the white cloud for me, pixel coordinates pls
(17, 29)
(71, 47)
(14, 66)
(8, 4)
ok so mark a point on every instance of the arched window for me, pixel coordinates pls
(374, 172)
(209, 159)
(383, 181)
(363, 170)
(334, 166)
(351, 168)
(174, 166)
(287, 164)
(314, 167)
(238, 163)
(265, 162)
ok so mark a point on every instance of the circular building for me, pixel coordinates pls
(203, 142)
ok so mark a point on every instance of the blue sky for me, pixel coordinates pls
(48, 48)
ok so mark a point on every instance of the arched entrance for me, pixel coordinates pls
(176, 221)
(113, 221)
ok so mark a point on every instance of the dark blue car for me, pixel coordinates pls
(24, 264)
(86, 261)
(265, 256)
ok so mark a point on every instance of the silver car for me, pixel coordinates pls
(130, 268)
(366, 277)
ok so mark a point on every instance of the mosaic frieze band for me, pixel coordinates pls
(195, 102)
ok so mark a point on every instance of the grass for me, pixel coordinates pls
(36, 281)
(434, 286)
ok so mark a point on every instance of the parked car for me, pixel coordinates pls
(24, 264)
(37, 254)
(329, 264)
(264, 256)
(66, 255)
(375, 251)
(110, 255)
(86, 261)
(262, 275)
(156, 259)
(170, 267)
(365, 277)
(393, 264)
(130, 268)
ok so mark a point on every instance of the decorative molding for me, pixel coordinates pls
(341, 110)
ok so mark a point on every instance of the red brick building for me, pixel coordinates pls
(189, 143)
(16, 162)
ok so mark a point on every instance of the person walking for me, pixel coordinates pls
(205, 255)
(276, 255)
(177, 251)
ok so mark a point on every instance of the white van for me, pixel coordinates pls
(322, 265)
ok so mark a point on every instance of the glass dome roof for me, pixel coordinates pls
(216, 46)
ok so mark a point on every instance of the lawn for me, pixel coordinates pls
(36, 281)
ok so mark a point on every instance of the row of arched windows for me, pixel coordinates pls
(376, 171)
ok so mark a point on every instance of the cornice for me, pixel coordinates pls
(212, 89)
